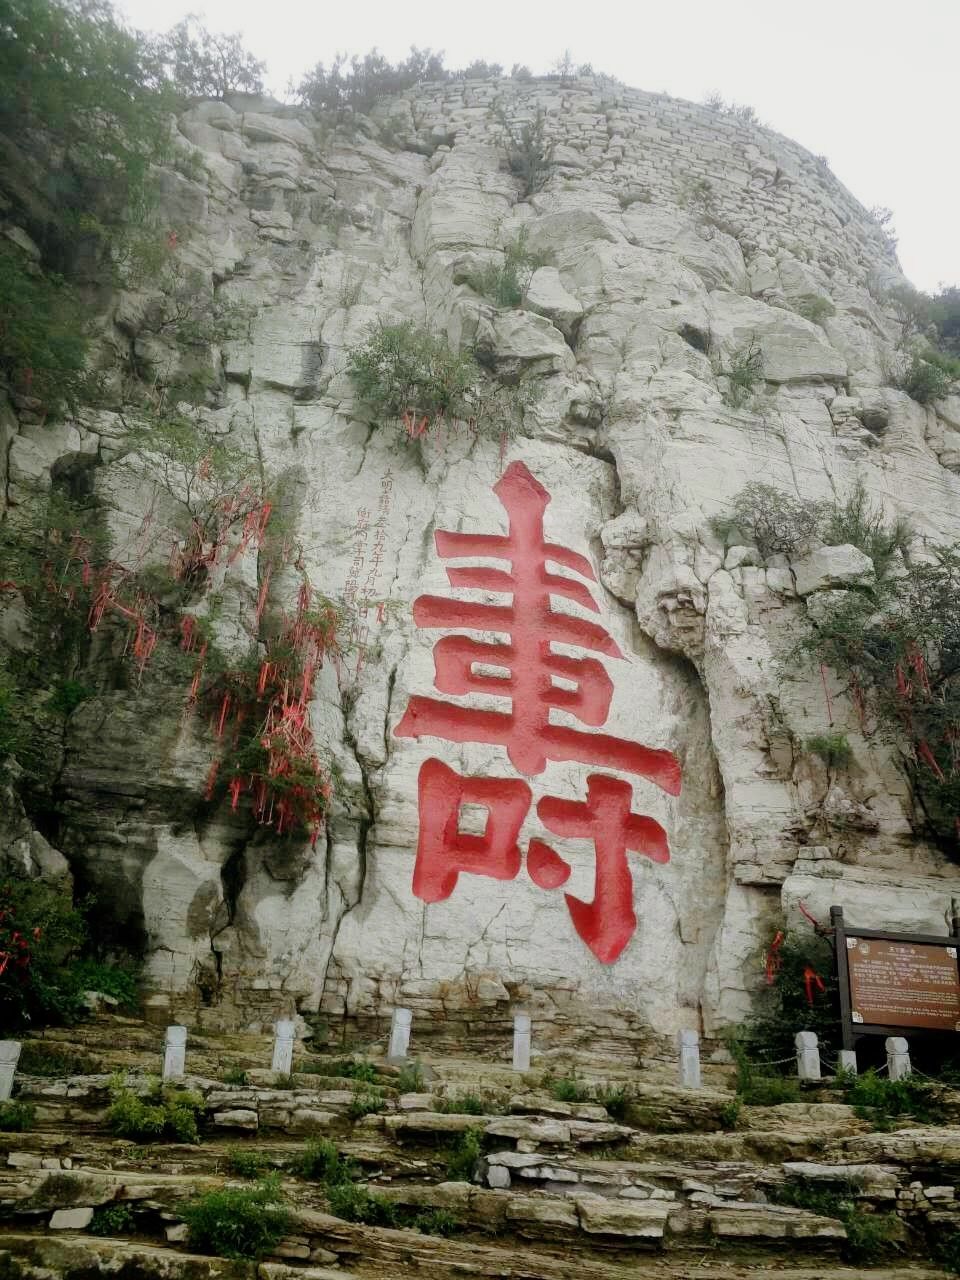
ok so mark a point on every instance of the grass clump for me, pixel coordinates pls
(568, 1089)
(463, 1104)
(365, 1102)
(462, 1158)
(743, 372)
(322, 1162)
(165, 1112)
(16, 1117)
(48, 1058)
(111, 1220)
(883, 1101)
(833, 749)
(616, 1100)
(410, 1079)
(246, 1164)
(234, 1075)
(355, 1203)
(363, 1071)
(238, 1222)
(757, 1085)
(814, 307)
(869, 1235)
(506, 282)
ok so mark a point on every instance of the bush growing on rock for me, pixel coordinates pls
(322, 1162)
(929, 376)
(111, 1220)
(505, 283)
(743, 372)
(462, 1159)
(832, 748)
(528, 149)
(16, 1117)
(895, 647)
(164, 1112)
(40, 933)
(772, 520)
(238, 1222)
(869, 1235)
(203, 64)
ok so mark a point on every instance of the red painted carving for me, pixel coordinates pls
(523, 668)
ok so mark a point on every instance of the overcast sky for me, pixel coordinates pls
(870, 84)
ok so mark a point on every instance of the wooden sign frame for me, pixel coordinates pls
(853, 1031)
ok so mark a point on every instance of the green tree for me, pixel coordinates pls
(203, 64)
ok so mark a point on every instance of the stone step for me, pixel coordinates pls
(367, 1253)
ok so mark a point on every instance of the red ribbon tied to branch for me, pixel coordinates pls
(774, 959)
(812, 979)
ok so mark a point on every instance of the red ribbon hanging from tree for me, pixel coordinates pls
(774, 959)
(812, 979)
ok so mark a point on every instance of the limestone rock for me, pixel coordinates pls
(71, 1219)
(830, 568)
(546, 296)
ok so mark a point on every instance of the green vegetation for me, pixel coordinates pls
(505, 283)
(895, 647)
(775, 522)
(238, 1222)
(883, 1101)
(410, 1079)
(569, 1090)
(759, 1085)
(736, 110)
(322, 1162)
(201, 64)
(402, 369)
(770, 519)
(743, 372)
(49, 1058)
(784, 1009)
(358, 1204)
(43, 341)
(16, 1117)
(869, 1235)
(246, 1163)
(814, 307)
(409, 375)
(946, 1249)
(163, 1113)
(929, 375)
(234, 1075)
(730, 1114)
(833, 749)
(366, 1101)
(464, 1104)
(40, 931)
(462, 1158)
(528, 149)
(111, 1220)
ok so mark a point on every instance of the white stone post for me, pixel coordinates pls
(848, 1060)
(9, 1057)
(689, 1059)
(400, 1035)
(808, 1055)
(521, 1042)
(898, 1058)
(283, 1047)
(175, 1053)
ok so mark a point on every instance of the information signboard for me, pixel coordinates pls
(892, 982)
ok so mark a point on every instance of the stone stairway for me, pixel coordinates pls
(556, 1189)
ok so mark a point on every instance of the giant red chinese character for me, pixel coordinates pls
(527, 671)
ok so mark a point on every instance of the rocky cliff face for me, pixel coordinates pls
(672, 238)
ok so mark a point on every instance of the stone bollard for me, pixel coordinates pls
(9, 1057)
(400, 1035)
(283, 1047)
(689, 1059)
(175, 1053)
(848, 1060)
(808, 1055)
(898, 1058)
(521, 1042)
